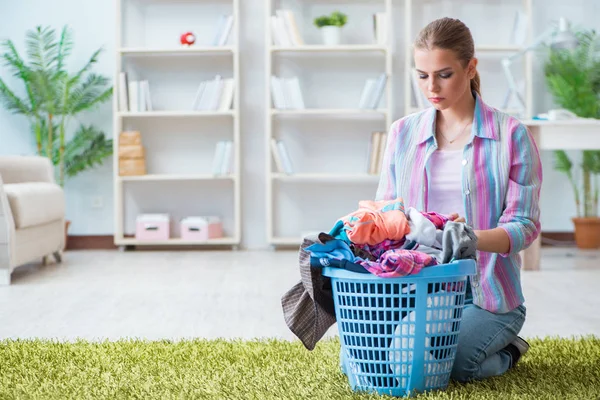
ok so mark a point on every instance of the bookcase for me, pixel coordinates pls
(324, 104)
(500, 35)
(183, 101)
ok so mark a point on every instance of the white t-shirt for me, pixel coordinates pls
(445, 182)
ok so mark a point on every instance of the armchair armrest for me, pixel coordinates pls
(19, 169)
(7, 234)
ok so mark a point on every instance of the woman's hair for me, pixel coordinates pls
(450, 34)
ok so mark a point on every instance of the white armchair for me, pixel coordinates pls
(32, 213)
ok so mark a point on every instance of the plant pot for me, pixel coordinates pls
(332, 35)
(587, 232)
(67, 223)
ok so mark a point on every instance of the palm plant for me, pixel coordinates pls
(573, 78)
(54, 96)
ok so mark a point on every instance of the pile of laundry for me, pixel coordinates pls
(384, 239)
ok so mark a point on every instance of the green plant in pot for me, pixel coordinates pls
(53, 97)
(573, 78)
(331, 27)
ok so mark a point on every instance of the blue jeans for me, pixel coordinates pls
(483, 336)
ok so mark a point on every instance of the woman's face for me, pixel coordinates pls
(442, 78)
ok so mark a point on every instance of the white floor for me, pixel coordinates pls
(100, 295)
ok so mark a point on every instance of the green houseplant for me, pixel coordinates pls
(573, 78)
(53, 97)
(331, 27)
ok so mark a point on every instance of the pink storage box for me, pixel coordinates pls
(201, 228)
(152, 227)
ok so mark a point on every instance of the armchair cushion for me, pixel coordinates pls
(35, 203)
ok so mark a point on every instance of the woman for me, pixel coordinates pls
(466, 158)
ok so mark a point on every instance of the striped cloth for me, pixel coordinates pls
(501, 182)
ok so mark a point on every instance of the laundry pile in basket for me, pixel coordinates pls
(381, 238)
(389, 241)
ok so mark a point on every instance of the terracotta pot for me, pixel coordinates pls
(67, 223)
(587, 232)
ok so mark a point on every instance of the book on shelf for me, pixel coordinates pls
(376, 150)
(421, 100)
(134, 95)
(223, 31)
(223, 158)
(518, 35)
(380, 28)
(283, 162)
(286, 93)
(284, 29)
(214, 95)
(372, 92)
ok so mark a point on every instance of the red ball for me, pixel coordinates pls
(187, 38)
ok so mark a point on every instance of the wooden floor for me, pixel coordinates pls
(106, 294)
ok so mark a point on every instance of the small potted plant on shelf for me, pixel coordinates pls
(331, 27)
(573, 78)
(54, 97)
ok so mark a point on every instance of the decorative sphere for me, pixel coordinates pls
(187, 38)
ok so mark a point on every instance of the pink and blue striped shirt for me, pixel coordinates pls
(501, 181)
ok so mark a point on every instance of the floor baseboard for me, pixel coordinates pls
(91, 242)
(106, 242)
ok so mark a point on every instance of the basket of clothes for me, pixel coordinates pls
(394, 280)
(399, 335)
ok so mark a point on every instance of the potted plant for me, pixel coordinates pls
(54, 97)
(573, 78)
(331, 27)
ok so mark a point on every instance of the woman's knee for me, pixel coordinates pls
(466, 367)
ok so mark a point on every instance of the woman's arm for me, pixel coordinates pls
(489, 240)
(493, 241)
(521, 216)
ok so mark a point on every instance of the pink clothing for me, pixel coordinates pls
(445, 187)
(396, 263)
(438, 220)
(376, 221)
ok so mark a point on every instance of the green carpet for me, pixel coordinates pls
(219, 369)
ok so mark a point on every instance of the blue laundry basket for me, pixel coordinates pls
(399, 335)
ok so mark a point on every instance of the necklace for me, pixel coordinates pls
(457, 136)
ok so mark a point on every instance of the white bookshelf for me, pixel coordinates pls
(179, 140)
(331, 80)
(489, 49)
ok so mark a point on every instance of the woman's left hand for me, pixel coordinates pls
(456, 218)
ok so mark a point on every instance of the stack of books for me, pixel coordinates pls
(223, 30)
(284, 29)
(283, 163)
(376, 151)
(134, 96)
(372, 92)
(286, 93)
(215, 95)
(222, 162)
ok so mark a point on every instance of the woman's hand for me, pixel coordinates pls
(491, 240)
(456, 218)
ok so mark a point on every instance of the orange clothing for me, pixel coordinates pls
(376, 221)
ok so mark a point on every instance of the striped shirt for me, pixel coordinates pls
(501, 180)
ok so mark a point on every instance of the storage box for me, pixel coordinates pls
(201, 228)
(194, 228)
(152, 227)
(130, 151)
(215, 227)
(133, 166)
(127, 138)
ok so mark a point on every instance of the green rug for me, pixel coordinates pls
(219, 369)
